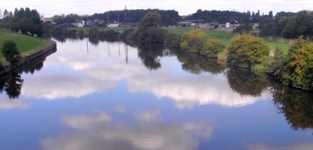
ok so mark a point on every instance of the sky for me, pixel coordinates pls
(49, 8)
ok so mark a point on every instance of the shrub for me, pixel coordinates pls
(298, 68)
(93, 31)
(246, 50)
(212, 47)
(193, 41)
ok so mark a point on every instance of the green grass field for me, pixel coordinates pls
(85, 29)
(226, 37)
(25, 43)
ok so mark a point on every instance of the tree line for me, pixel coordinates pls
(291, 27)
(23, 20)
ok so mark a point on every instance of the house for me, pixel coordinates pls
(113, 25)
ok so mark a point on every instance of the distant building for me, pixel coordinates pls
(113, 25)
(184, 24)
(191, 23)
(89, 23)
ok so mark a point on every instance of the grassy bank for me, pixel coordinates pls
(226, 37)
(26, 44)
(85, 29)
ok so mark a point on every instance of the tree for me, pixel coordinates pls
(246, 50)
(25, 20)
(151, 19)
(297, 71)
(10, 52)
(270, 14)
(149, 31)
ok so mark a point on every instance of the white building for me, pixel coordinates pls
(113, 25)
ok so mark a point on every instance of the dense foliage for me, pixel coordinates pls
(10, 52)
(298, 67)
(93, 32)
(228, 16)
(196, 41)
(193, 41)
(246, 50)
(288, 27)
(24, 20)
(244, 28)
(167, 17)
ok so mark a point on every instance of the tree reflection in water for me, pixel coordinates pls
(196, 64)
(12, 85)
(245, 82)
(150, 55)
(295, 104)
(94, 41)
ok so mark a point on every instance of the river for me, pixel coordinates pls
(103, 95)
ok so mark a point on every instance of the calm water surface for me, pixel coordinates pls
(113, 96)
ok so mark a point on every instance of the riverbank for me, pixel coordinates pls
(30, 48)
(226, 37)
(28, 59)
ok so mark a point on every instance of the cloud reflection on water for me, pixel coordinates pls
(97, 132)
(102, 68)
(7, 104)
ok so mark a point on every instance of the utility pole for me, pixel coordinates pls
(125, 15)
(108, 17)
(1, 14)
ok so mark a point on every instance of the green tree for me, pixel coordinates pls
(151, 19)
(246, 50)
(149, 31)
(10, 52)
(298, 68)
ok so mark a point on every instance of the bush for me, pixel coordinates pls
(193, 41)
(243, 28)
(298, 68)
(93, 32)
(246, 50)
(151, 35)
(212, 47)
(196, 41)
(10, 52)
(172, 40)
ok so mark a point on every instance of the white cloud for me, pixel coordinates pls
(95, 133)
(7, 104)
(105, 69)
(148, 116)
(184, 7)
(290, 146)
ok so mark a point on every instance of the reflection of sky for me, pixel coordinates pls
(6, 103)
(75, 71)
(96, 132)
(108, 104)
